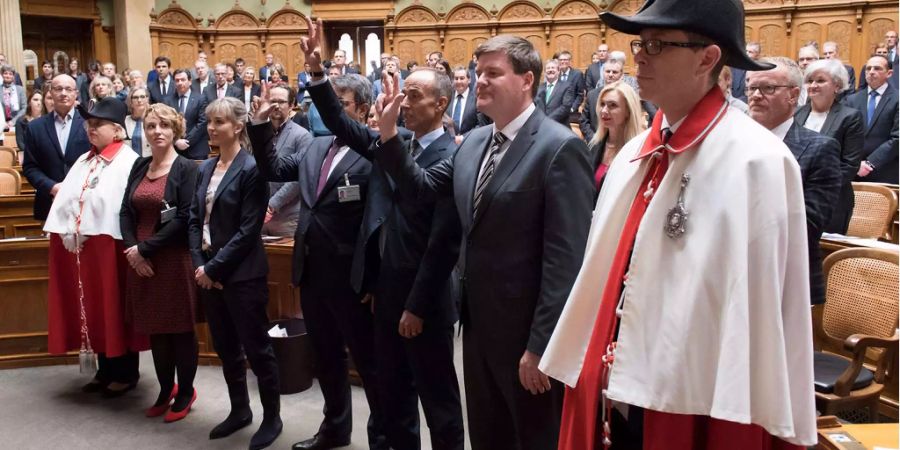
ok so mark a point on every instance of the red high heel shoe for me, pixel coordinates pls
(173, 416)
(156, 411)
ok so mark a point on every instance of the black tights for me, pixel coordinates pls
(171, 352)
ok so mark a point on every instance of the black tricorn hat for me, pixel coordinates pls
(720, 20)
(108, 108)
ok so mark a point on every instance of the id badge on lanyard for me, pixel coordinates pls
(348, 192)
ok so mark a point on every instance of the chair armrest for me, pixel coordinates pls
(858, 344)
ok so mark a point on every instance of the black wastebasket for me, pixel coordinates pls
(295, 356)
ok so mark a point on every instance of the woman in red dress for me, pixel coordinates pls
(87, 266)
(161, 294)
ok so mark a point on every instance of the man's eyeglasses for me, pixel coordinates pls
(655, 46)
(59, 89)
(765, 89)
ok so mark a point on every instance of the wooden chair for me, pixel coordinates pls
(8, 157)
(10, 181)
(860, 316)
(875, 205)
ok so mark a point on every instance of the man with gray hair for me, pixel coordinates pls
(333, 190)
(617, 57)
(136, 79)
(554, 97)
(773, 99)
(523, 191)
(220, 88)
(200, 74)
(830, 51)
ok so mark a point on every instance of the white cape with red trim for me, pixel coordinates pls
(102, 203)
(716, 322)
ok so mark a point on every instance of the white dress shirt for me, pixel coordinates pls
(63, 126)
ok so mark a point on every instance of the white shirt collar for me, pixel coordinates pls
(781, 130)
(674, 127)
(880, 89)
(69, 115)
(512, 128)
(430, 137)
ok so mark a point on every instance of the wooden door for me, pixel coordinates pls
(363, 41)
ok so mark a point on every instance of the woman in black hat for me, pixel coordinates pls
(87, 263)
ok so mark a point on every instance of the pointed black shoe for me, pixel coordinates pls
(268, 431)
(319, 442)
(235, 421)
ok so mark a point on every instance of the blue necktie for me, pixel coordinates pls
(870, 111)
(137, 138)
(456, 110)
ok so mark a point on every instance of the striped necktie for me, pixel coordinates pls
(496, 144)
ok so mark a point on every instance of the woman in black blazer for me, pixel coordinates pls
(822, 113)
(225, 228)
(161, 296)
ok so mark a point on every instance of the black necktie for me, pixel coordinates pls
(415, 148)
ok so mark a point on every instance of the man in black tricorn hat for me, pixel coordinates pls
(688, 326)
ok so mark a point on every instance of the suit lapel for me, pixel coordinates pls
(517, 149)
(434, 152)
(886, 98)
(204, 185)
(313, 165)
(337, 174)
(50, 126)
(793, 135)
(830, 118)
(803, 114)
(230, 174)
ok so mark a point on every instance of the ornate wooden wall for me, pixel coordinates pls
(236, 33)
(782, 26)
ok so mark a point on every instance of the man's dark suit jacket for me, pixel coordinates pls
(557, 107)
(739, 84)
(469, 116)
(881, 137)
(45, 164)
(235, 223)
(520, 255)
(179, 192)
(194, 126)
(231, 90)
(325, 225)
(818, 157)
(576, 79)
(845, 125)
(156, 93)
(593, 75)
(264, 73)
(421, 241)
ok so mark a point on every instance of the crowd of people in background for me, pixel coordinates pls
(157, 189)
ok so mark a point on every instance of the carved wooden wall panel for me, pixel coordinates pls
(781, 27)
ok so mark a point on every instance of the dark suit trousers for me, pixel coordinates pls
(335, 321)
(502, 414)
(237, 319)
(419, 368)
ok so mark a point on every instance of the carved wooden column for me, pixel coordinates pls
(132, 22)
(11, 35)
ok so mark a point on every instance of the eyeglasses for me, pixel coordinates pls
(765, 89)
(655, 46)
(59, 89)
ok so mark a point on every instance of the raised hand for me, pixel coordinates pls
(388, 105)
(311, 45)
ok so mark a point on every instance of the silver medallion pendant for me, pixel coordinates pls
(677, 216)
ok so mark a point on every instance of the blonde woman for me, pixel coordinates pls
(230, 267)
(161, 295)
(101, 87)
(138, 102)
(619, 119)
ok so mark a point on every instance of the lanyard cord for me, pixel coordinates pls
(89, 183)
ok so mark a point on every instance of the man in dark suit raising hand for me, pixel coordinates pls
(523, 191)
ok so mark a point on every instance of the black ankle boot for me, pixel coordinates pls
(237, 419)
(267, 433)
